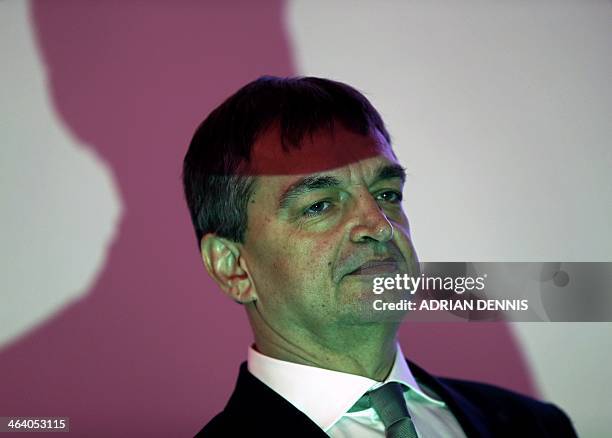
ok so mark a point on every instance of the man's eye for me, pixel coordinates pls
(390, 196)
(317, 208)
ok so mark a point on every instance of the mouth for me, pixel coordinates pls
(377, 267)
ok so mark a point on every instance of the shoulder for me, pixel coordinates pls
(509, 408)
(232, 424)
(255, 409)
(489, 410)
(221, 426)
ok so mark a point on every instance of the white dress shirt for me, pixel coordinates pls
(325, 396)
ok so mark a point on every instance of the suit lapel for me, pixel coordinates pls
(265, 411)
(470, 417)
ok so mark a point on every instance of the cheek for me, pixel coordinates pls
(285, 258)
(404, 243)
(321, 254)
(318, 262)
(274, 259)
(295, 264)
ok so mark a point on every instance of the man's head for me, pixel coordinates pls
(295, 194)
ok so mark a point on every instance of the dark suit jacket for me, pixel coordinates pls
(482, 411)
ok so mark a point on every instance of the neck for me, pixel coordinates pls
(366, 350)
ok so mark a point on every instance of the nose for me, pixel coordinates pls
(369, 222)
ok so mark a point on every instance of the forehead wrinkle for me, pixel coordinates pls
(374, 172)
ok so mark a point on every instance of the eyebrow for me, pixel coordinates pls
(306, 185)
(316, 182)
(390, 171)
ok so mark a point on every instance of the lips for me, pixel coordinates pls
(377, 267)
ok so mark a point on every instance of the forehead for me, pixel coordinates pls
(322, 151)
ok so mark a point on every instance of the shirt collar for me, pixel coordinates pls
(325, 395)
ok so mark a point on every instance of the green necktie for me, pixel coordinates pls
(388, 402)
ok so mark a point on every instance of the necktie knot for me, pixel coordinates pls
(389, 403)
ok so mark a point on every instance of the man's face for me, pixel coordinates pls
(315, 240)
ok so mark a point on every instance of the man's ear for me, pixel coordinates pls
(226, 265)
